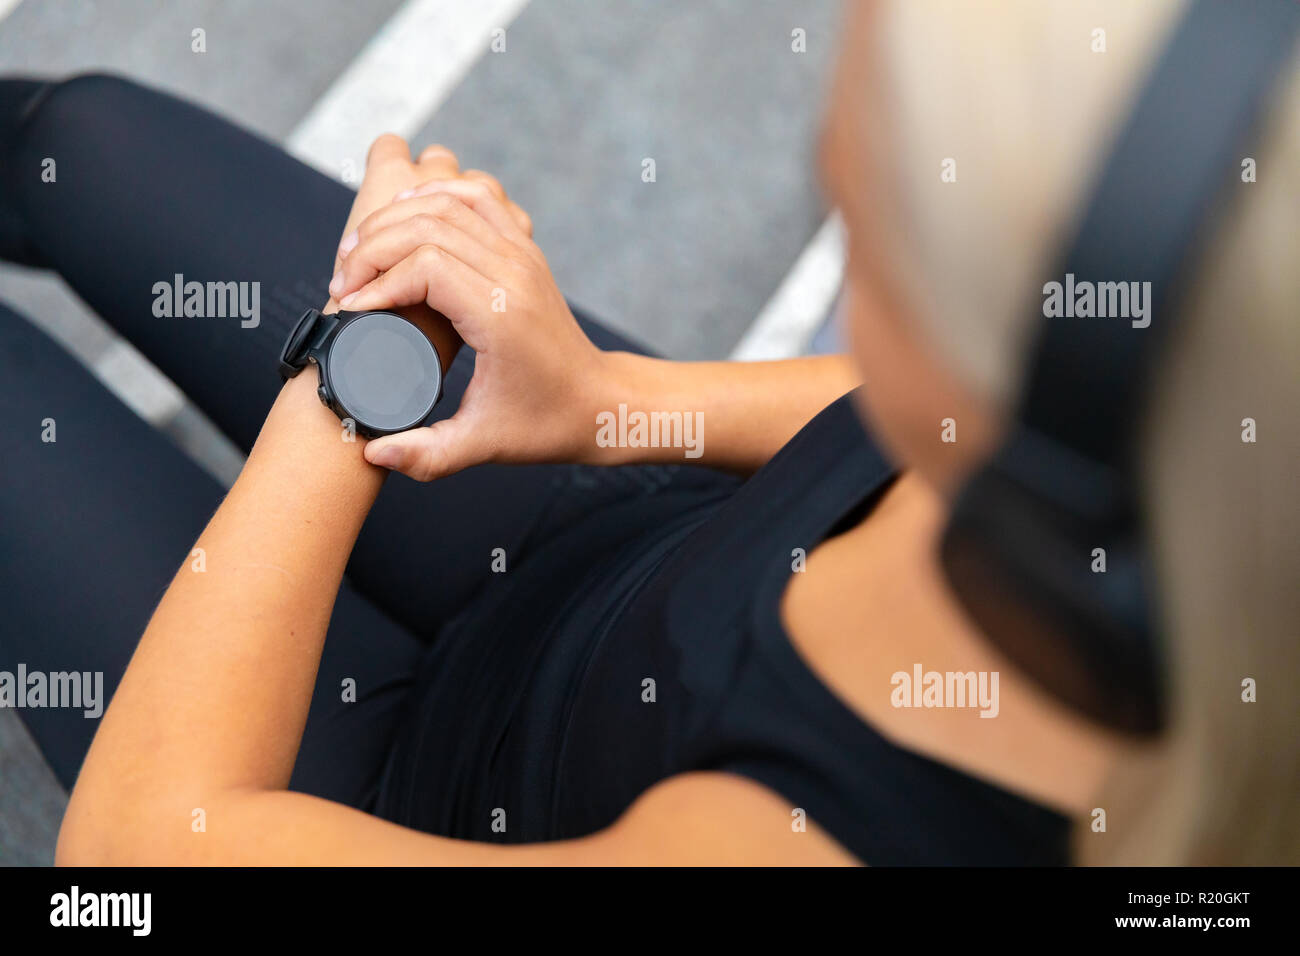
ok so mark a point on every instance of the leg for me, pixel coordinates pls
(158, 187)
(97, 522)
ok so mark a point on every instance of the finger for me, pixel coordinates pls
(388, 148)
(380, 251)
(437, 160)
(488, 180)
(479, 197)
(441, 449)
(444, 205)
(522, 219)
(433, 276)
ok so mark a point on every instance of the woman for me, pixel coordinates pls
(651, 678)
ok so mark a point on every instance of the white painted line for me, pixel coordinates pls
(7, 7)
(802, 301)
(399, 80)
(144, 389)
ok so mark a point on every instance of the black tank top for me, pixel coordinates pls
(618, 661)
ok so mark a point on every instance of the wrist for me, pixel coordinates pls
(301, 431)
(622, 383)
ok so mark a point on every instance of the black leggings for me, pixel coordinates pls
(97, 522)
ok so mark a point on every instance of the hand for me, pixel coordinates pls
(389, 171)
(456, 246)
(390, 175)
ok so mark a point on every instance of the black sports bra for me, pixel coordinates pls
(732, 693)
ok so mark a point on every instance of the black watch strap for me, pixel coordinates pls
(307, 334)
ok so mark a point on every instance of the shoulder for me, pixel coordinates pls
(721, 819)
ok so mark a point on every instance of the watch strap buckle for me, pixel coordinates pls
(293, 357)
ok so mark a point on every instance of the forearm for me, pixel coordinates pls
(217, 692)
(741, 413)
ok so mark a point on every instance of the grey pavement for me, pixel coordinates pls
(713, 94)
(587, 91)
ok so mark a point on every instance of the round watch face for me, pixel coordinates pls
(384, 372)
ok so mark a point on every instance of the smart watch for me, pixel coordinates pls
(376, 368)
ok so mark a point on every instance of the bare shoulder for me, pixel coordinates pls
(709, 818)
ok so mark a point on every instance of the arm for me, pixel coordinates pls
(215, 697)
(747, 410)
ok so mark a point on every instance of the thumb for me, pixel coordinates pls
(441, 449)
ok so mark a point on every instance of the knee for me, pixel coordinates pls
(85, 95)
(78, 120)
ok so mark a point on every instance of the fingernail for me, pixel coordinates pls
(386, 457)
(349, 243)
(349, 298)
(336, 284)
(404, 194)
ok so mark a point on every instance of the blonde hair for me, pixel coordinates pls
(1016, 96)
